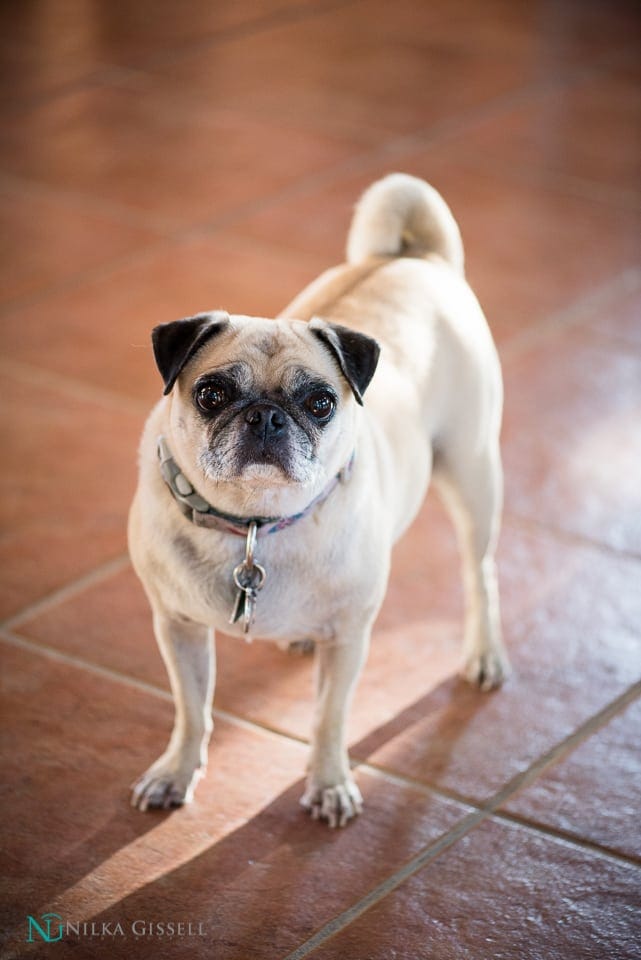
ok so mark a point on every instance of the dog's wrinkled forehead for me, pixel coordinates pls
(267, 354)
(268, 348)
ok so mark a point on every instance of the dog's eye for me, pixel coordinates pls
(321, 405)
(212, 396)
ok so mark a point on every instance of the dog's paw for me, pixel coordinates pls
(336, 804)
(166, 784)
(487, 669)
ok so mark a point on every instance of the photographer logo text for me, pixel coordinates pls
(50, 928)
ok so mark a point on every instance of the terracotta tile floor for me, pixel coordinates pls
(158, 158)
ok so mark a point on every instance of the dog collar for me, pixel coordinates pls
(202, 514)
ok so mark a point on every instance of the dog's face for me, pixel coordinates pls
(262, 401)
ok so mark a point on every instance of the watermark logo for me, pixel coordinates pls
(50, 928)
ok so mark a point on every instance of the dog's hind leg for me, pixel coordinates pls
(188, 651)
(472, 490)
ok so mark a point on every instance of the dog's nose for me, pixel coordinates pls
(265, 420)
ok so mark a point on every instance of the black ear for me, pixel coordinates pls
(177, 342)
(357, 354)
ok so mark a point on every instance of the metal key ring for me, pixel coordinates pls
(255, 568)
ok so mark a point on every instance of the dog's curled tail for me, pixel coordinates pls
(402, 216)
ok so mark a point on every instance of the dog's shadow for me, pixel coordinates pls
(272, 882)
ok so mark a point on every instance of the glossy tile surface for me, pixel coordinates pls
(502, 892)
(160, 159)
(592, 792)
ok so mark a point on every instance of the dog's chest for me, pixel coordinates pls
(290, 603)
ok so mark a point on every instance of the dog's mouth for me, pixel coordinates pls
(278, 461)
(235, 459)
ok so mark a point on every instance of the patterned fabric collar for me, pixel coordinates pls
(202, 514)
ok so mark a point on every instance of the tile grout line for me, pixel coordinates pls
(115, 676)
(94, 274)
(569, 537)
(576, 313)
(573, 840)
(571, 185)
(67, 592)
(537, 827)
(284, 16)
(589, 727)
(467, 824)
(344, 919)
(101, 75)
(106, 673)
(75, 389)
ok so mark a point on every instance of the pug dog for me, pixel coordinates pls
(288, 455)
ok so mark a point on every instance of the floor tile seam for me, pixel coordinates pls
(582, 71)
(257, 726)
(574, 840)
(102, 73)
(582, 188)
(367, 158)
(290, 13)
(578, 312)
(85, 202)
(380, 772)
(178, 234)
(35, 101)
(68, 591)
(378, 893)
(362, 161)
(569, 537)
(537, 827)
(576, 74)
(433, 850)
(614, 341)
(36, 647)
(569, 184)
(101, 271)
(494, 108)
(75, 388)
(564, 747)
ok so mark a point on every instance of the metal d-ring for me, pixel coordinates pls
(250, 546)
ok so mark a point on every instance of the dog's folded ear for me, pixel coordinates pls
(356, 353)
(177, 342)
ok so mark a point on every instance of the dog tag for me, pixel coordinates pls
(244, 608)
(249, 578)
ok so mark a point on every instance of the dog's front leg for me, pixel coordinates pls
(331, 793)
(188, 651)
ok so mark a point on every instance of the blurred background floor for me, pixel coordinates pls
(161, 158)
